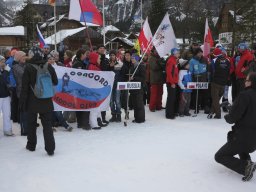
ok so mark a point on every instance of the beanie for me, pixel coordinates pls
(242, 46)
(217, 52)
(2, 58)
(174, 51)
(183, 62)
(18, 55)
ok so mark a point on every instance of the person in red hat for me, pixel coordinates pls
(220, 69)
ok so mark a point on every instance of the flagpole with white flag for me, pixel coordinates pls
(104, 34)
(165, 38)
(55, 27)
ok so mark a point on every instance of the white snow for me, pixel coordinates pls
(61, 35)
(110, 28)
(158, 156)
(17, 30)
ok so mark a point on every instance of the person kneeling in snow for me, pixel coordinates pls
(242, 138)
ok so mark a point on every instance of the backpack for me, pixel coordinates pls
(44, 88)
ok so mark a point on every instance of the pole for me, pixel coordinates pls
(86, 27)
(55, 28)
(141, 17)
(104, 35)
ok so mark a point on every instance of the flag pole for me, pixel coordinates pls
(86, 27)
(55, 27)
(104, 35)
(141, 18)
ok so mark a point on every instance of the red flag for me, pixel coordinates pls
(145, 36)
(208, 40)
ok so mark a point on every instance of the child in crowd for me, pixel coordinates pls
(185, 96)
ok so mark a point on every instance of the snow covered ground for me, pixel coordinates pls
(158, 156)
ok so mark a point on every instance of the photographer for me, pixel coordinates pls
(242, 138)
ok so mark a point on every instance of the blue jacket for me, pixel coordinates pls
(10, 63)
(196, 67)
(184, 78)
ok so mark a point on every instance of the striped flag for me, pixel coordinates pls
(145, 37)
(208, 40)
(40, 37)
(85, 11)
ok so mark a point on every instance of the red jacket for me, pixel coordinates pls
(172, 72)
(93, 59)
(246, 57)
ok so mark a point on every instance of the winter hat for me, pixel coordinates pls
(174, 51)
(217, 52)
(46, 47)
(136, 57)
(18, 55)
(218, 45)
(2, 58)
(54, 53)
(198, 50)
(183, 62)
(242, 46)
(35, 54)
(93, 58)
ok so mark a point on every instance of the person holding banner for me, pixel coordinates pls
(172, 77)
(82, 116)
(198, 67)
(115, 103)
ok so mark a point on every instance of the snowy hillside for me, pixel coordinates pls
(158, 156)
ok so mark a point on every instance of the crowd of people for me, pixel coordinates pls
(18, 77)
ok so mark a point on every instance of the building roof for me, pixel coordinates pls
(123, 40)
(109, 28)
(61, 35)
(12, 31)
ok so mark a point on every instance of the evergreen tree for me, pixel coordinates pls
(157, 13)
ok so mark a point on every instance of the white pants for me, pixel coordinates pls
(5, 107)
(93, 118)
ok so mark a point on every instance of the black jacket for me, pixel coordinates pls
(28, 101)
(220, 71)
(4, 91)
(78, 64)
(243, 115)
(104, 63)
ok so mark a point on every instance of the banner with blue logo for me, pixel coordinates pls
(82, 90)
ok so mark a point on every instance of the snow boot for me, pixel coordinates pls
(249, 169)
(210, 116)
(118, 118)
(100, 123)
(113, 118)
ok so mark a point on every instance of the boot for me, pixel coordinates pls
(118, 118)
(113, 118)
(100, 123)
(249, 169)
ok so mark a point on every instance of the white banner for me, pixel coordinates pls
(82, 90)
(197, 85)
(128, 85)
(225, 38)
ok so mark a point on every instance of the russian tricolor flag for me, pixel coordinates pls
(40, 37)
(85, 11)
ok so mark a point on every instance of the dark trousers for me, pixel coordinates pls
(82, 118)
(58, 117)
(226, 153)
(184, 103)
(156, 96)
(216, 92)
(46, 120)
(147, 93)
(24, 123)
(240, 85)
(170, 103)
(138, 105)
(15, 117)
